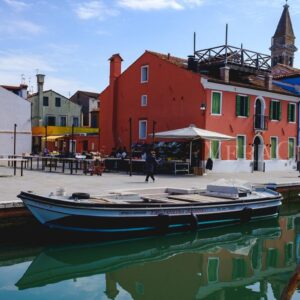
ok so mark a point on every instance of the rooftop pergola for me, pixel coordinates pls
(239, 59)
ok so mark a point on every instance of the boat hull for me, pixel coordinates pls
(143, 218)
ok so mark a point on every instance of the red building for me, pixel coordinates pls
(224, 89)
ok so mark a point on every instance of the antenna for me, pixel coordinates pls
(22, 79)
(226, 43)
(194, 43)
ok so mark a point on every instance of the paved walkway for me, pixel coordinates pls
(45, 182)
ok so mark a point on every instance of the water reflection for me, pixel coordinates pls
(251, 260)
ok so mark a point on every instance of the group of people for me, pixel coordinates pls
(120, 153)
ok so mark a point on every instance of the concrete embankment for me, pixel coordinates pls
(12, 209)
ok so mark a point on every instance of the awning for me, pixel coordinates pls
(52, 138)
(192, 133)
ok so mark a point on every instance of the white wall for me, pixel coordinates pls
(236, 166)
(14, 110)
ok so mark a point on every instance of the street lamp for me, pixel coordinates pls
(46, 137)
(130, 146)
(15, 138)
(72, 142)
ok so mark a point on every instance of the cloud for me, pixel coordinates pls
(17, 4)
(95, 10)
(19, 27)
(18, 62)
(151, 4)
(159, 4)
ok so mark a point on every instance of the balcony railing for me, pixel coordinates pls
(260, 122)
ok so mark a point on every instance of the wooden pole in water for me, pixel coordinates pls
(292, 285)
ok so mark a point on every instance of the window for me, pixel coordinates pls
(275, 110)
(143, 129)
(242, 106)
(274, 144)
(144, 74)
(215, 149)
(144, 100)
(272, 257)
(291, 149)
(57, 102)
(291, 112)
(241, 143)
(212, 269)
(216, 103)
(51, 121)
(63, 121)
(239, 268)
(45, 101)
(75, 122)
(288, 251)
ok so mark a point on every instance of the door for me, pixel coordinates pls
(258, 155)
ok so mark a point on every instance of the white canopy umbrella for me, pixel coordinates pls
(193, 133)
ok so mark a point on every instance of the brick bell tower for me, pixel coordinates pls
(283, 42)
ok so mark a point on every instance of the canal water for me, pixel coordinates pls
(242, 261)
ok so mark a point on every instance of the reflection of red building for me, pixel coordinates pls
(263, 256)
(226, 93)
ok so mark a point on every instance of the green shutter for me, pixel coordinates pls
(215, 149)
(241, 146)
(291, 148)
(279, 112)
(216, 103)
(238, 105)
(212, 270)
(289, 112)
(248, 106)
(271, 110)
(273, 148)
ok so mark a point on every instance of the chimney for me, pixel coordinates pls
(40, 86)
(192, 63)
(115, 67)
(268, 82)
(224, 73)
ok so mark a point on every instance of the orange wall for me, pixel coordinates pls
(174, 99)
(172, 103)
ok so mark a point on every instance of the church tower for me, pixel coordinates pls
(283, 42)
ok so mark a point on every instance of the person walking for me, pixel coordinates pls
(150, 166)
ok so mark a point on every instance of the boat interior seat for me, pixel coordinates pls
(180, 191)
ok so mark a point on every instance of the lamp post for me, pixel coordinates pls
(15, 138)
(72, 142)
(15, 143)
(130, 146)
(46, 137)
(153, 132)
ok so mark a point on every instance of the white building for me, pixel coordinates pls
(14, 110)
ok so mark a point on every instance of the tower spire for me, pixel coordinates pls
(283, 42)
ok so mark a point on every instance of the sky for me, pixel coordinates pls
(70, 41)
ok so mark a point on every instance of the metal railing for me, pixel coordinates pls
(260, 122)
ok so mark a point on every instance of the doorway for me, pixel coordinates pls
(258, 154)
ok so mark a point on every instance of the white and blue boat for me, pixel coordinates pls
(153, 210)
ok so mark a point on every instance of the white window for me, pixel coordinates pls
(142, 129)
(144, 73)
(75, 122)
(144, 100)
(63, 121)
